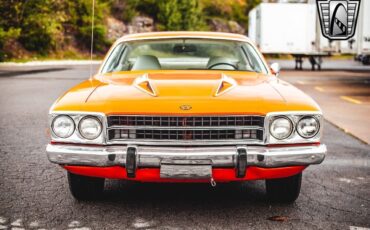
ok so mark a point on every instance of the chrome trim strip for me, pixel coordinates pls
(152, 156)
(166, 37)
(188, 127)
(151, 142)
(184, 115)
(86, 155)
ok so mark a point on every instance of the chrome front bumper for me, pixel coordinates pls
(147, 156)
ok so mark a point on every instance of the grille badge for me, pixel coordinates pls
(185, 107)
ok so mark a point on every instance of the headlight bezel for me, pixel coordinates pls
(308, 117)
(295, 137)
(76, 137)
(89, 117)
(52, 126)
(291, 126)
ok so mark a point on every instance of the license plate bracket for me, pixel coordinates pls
(186, 169)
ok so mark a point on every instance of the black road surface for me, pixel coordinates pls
(34, 193)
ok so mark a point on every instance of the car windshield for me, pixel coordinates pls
(184, 54)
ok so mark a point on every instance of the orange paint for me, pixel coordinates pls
(116, 93)
(166, 91)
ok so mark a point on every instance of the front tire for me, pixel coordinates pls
(85, 188)
(285, 190)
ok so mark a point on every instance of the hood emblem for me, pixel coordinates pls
(143, 84)
(185, 107)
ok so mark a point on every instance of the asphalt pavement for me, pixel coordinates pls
(34, 193)
(344, 97)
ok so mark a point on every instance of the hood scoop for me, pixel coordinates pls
(184, 87)
(143, 84)
(226, 84)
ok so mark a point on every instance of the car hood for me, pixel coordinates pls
(185, 92)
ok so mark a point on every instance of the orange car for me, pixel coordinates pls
(185, 107)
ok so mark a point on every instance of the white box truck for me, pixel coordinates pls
(363, 33)
(287, 28)
(284, 28)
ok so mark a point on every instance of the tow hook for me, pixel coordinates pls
(213, 182)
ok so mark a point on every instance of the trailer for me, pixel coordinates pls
(363, 33)
(288, 28)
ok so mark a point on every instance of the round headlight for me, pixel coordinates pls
(63, 126)
(281, 128)
(308, 127)
(90, 127)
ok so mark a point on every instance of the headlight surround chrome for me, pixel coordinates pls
(281, 127)
(308, 127)
(76, 137)
(90, 127)
(63, 126)
(295, 137)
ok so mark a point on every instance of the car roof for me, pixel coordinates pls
(183, 34)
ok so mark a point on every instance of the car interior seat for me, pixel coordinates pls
(146, 62)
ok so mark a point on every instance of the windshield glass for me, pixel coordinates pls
(184, 54)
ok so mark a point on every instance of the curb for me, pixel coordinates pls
(50, 63)
(347, 132)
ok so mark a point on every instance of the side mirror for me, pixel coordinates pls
(275, 69)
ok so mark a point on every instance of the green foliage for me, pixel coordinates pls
(43, 25)
(169, 15)
(180, 15)
(191, 15)
(147, 7)
(36, 24)
(40, 23)
(236, 10)
(123, 10)
(48, 26)
(11, 34)
(40, 31)
(80, 22)
(127, 9)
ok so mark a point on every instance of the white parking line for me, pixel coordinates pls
(349, 99)
(358, 228)
(320, 89)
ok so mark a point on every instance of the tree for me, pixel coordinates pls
(191, 15)
(169, 16)
(79, 21)
(38, 22)
(180, 15)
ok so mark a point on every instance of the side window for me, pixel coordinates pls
(113, 59)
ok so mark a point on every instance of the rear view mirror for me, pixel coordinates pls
(275, 69)
(184, 48)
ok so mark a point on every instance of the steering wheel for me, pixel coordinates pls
(223, 63)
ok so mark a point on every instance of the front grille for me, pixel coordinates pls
(184, 121)
(197, 128)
